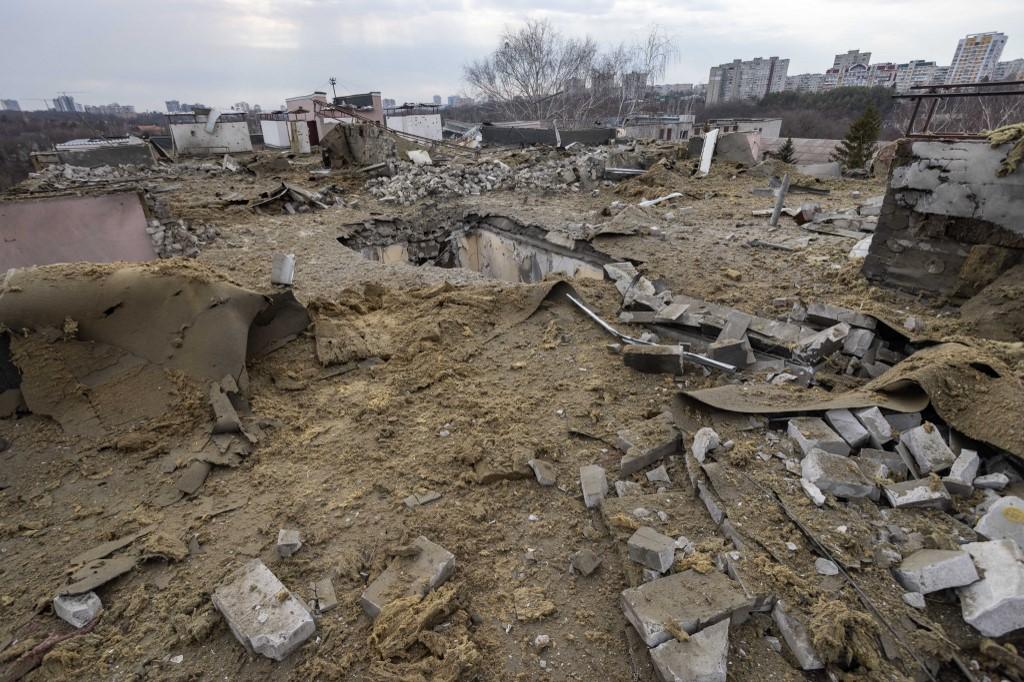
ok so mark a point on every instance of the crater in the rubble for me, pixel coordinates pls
(495, 246)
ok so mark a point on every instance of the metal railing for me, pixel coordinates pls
(938, 93)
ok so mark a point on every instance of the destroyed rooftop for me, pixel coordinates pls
(436, 412)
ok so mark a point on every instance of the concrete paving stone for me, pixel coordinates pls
(992, 481)
(816, 347)
(858, 342)
(626, 488)
(960, 480)
(543, 471)
(920, 492)
(903, 421)
(263, 615)
(994, 606)
(289, 541)
(929, 449)
(688, 600)
(1004, 520)
(915, 599)
(879, 430)
(848, 426)
(931, 570)
(812, 432)
(701, 658)
(584, 561)
(593, 484)
(794, 633)
(656, 359)
(78, 609)
(704, 441)
(650, 548)
(892, 461)
(835, 474)
(659, 475)
(416, 572)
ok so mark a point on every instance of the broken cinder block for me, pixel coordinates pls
(263, 615)
(930, 451)
(960, 480)
(848, 426)
(593, 484)
(920, 492)
(816, 347)
(648, 442)
(811, 432)
(835, 474)
(288, 542)
(423, 571)
(878, 428)
(655, 359)
(650, 548)
(931, 570)
(994, 606)
(543, 470)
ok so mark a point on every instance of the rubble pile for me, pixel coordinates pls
(64, 176)
(173, 236)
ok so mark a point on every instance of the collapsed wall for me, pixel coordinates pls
(949, 224)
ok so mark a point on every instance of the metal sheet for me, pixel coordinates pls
(98, 229)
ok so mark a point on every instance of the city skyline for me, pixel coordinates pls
(248, 52)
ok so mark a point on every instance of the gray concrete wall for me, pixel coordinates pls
(137, 154)
(949, 225)
(528, 136)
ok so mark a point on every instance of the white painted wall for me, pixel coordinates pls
(300, 137)
(424, 125)
(226, 138)
(275, 134)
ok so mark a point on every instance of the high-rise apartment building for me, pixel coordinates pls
(9, 105)
(746, 80)
(976, 57)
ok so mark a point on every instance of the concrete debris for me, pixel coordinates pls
(736, 352)
(420, 499)
(225, 417)
(903, 421)
(289, 542)
(282, 270)
(626, 488)
(812, 433)
(1004, 520)
(825, 567)
(654, 359)
(923, 492)
(584, 561)
(835, 474)
(262, 613)
(930, 451)
(593, 484)
(858, 342)
(425, 567)
(703, 657)
(960, 480)
(931, 570)
(324, 596)
(79, 609)
(994, 605)
(650, 548)
(646, 443)
(544, 471)
(915, 599)
(689, 601)
(992, 481)
(658, 475)
(704, 441)
(816, 347)
(848, 426)
(813, 492)
(794, 633)
(879, 430)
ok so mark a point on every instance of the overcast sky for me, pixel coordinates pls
(219, 52)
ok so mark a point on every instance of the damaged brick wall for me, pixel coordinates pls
(949, 225)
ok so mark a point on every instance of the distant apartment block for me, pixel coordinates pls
(805, 82)
(173, 106)
(388, 103)
(976, 57)
(746, 80)
(1012, 70)
(9, 105)
(115, 109)
(437, 100)
(64, 103)
(242, 106)
(457, 101)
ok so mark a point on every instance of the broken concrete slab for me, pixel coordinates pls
(625, 488)
(931, 570)
(584, 561)
(813, 492)
(79, 610)
(544, 471)
(812, 433)
(903, 421)
(960, 480)
(892, 461)
(915, 600)
(930, 451)
(654, 359)
(650, 548)
(879, 430)
(858, 342)
(324, 596)
(424, 568)
(193, 477)
(648, 442)
(994, 605)
(704, 441)
(920, 492)
(262, 613)
(658, 475)
(289, 541)
(848, 426)
(835, 474)
(795, 635)
(689, 601)
(420, 499)
(1004, 520)
(593, 484)
(735, 352)
(816, 347)
(992, 481)
(701, 658)
(827, 315)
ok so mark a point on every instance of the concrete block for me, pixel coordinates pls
(658, 475)
(262, 614)
(593, 484)
(811, 432)
(324, 596)
(824, 314)
(961, 475)
(794, 633)
(858, 342)
(1004, 520)
(282, 269)
(908, 460)
(671, 312)
(848, 426)
(650, 548)
(701, 658)
(879, 430)
(920, 492)
(835, 474)
(78, 609)
(420, 499)
(813, 492)
(931, 570)
(653, 359)
(543, 470)
(689, 601)
(994, 606)
(648, 442)
(626, 488)
(584, 561)
(930, 451)
(736, 352)
(890, 460)
(816, 347)
(992, 481)
(288, 542)
(903, 421)
(417, 572)
(704, 441)
(915, 599)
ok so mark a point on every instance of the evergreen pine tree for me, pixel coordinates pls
(786, 151)
(855, 149)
